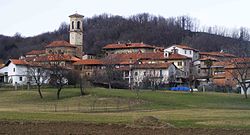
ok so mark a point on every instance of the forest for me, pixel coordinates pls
(103, 29)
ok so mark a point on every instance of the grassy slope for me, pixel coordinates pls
(180, 109)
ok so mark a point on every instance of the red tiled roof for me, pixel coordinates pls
(60, 44)
(217, 54)
(176, 56)
(35, 52)
(137, 56)
(152, 66)
(56, 57)
(186, 47)
(127, 45)
(19, 62)
(208, 58)
(88, 62)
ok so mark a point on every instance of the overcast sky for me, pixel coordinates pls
(32, 17)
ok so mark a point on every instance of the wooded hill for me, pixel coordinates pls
(154, 30)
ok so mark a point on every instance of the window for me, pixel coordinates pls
(20, 78)
(190, 51)
(161, 73)
(72, 24)
(185, 52)
(136, 73)
(145, 73)
(14, 70)
(179, 63)
(78, 24)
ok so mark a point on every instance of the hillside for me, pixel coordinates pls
(103, 29)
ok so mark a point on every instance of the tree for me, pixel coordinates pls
(74, 78)
(111, 74)
(58, 77)
(38, 75)
(239, 68)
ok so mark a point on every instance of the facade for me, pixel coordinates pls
(182, 50)
(15, 72)
(88, 66)
(127, 48)
(155, 74)
(182, 62)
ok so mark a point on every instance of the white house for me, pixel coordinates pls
(183, 50)
(159, 73)
(15, 72)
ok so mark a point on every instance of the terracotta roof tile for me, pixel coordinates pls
(88, 62)
(152, 66)
(177, 57)
(217, 54)
(35, 52)
(19, 62)
(208, 58)
(60, 44)
(127, 45)
(137, 56)
(56, 57)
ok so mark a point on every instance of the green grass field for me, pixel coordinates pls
(181, 109)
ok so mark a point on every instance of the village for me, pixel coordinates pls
(130, 65)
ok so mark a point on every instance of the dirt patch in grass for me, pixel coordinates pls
(66, 128)
(150, 121)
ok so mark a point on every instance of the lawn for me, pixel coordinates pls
(181, 109)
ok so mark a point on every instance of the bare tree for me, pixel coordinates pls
(111, 73)
(239, 68)
(38, 75)
(58, 77)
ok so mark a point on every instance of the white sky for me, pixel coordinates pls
(32, 17)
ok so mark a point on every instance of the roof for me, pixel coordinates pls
(208, 58)
(56, 57)
(35, 52)
(88, 62)
(217, 54)
(18, 62)
(186, 47)
(127, 45)
(60, 44)
(76, 15)
(176, 56)
(137, 56)
(152, 66)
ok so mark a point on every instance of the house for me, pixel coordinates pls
(15, 72)
(122, 48)
(182, 50)
(201, 69)
(226, 73)
(153, 74)
(64, 60)
(88, 66)
(182, 62)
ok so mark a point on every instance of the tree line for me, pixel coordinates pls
(154, 30)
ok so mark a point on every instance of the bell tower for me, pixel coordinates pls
(76, 33)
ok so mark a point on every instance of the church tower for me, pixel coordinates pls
(76, 33)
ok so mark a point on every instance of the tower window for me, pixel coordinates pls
(72, 24)
(78, 25)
